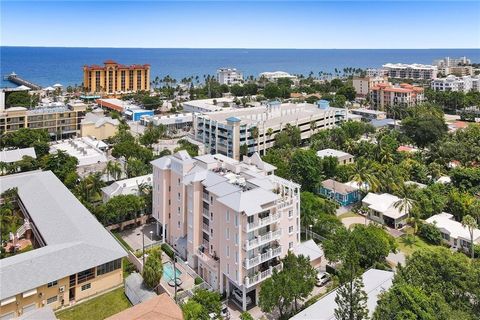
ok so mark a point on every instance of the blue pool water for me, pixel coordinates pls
(168, 272)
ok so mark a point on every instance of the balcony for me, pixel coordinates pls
(258, 241)
(262, 222)
(205, 213)
(206, 228)
(207, 259)
(260, 276)
(205, 196)
(284, 203)
(261, 258)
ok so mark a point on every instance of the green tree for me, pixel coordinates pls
(19, 99)
(193, 310)
(191, 148)
(348, 92)
(210, 301)
(61, 164)
(25, 138)
(306, 169)
(351, 301)
(313, 206)
(300, 269)
(153, 269)
(425, 124)
(246, 316)
(276, 294)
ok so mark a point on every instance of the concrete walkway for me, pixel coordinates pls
(134, 236)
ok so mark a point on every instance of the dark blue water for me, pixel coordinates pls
(47, 66)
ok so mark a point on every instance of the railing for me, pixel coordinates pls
(258, 277)
(263, 222)
(285, 203)
(253, 243)
(205, 196)
(205, 213)
(210, 261)
(206, 227)
(271, 253)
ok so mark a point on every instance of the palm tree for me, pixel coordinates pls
(254, 133)
(469, 222)
(313, 126)
(113, 170)
(405, 204)
(362, 174)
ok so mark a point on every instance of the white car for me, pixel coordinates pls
(224, 313)
(237, 294)
(322, 278)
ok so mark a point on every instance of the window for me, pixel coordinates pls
(290, 213)
(236, 238)
(86, 286)
(109, 267)
(52, 299)
(178, 210)
(178, 181)
(236, 219)
(178, 224)
(228, 216)
(227, 250)
(51, 284)
(290, 245)
(290, 230)
(178, 196)
(86, 275)
(236, 256)
(227, 233)
(228, 268)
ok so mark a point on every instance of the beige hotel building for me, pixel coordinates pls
(232, 221)
(113, 78)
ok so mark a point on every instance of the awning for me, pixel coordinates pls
(29, 293)
(8, 300)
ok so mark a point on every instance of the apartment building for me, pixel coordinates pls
(384, 95)
(113, 78)
(73, 256)
(232, 221)
(229, 76)
(453, 83)
(452, 62)
(97, 124)
(362, 85)
(411, 71)
(61, 121)
(254, 129)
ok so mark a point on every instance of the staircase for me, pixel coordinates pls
(23, 228)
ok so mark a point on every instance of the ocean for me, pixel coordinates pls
(47, 66)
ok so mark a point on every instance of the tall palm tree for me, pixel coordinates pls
(364, 177)
(405, 204)
(469, 222)
(254, 132)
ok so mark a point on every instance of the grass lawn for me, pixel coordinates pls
(407, 245)
(99, 308)
(348, 215)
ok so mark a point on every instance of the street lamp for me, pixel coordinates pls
(311, 234)
(143, 247)
(151, 235)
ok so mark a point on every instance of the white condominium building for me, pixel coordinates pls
(232, 221)
(451, 62)
(411, 71)
(254, 129)
(275, 75)
(229, 76)
(453, 83)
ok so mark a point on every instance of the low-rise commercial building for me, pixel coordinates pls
(114, 78)
(87, 150)
(369, 114)
(172, 122)
(232, 221)
(385, 95)
(14, 155)
(453, 232)
(341, 156)
(254, 129)
(275, 75)
(229, 76)
(459, 84)
(73, 256)
(96, 124)
(60, 121)
(208, 105)
(411, 71)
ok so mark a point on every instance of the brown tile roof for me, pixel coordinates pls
(161, 307)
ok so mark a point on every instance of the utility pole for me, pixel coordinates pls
(175, 274)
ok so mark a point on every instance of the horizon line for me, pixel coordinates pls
(226, 48)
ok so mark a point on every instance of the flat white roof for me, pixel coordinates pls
(85, 149)
(127, 186)
(332, 153)
(308, 249)
(15, 155)
(375, 282)
(447, 222)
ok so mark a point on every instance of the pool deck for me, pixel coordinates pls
(188, 282)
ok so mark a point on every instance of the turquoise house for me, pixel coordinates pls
(342, 193)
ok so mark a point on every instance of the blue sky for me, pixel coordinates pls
(247, 24)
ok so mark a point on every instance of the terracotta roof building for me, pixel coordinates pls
(385, 94)
(161, 307)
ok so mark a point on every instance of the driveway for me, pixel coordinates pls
(350, 221)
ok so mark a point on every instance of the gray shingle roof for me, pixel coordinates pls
(75, 240)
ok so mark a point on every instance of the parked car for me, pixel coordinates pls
(237, 294)
(322, 278)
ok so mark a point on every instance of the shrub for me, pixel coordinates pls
(430, 233)
(198, 280)
(167, 249)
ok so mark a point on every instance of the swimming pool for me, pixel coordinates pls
(168, 272)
